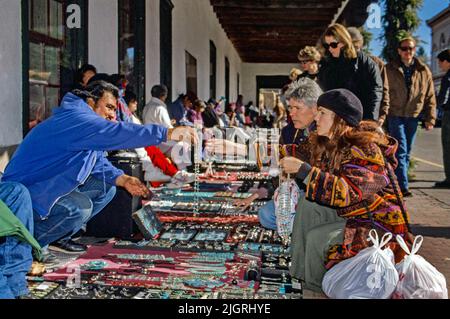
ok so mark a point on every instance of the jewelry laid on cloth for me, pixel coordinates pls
(94, 265)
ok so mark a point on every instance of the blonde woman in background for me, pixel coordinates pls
(309, 58)
(280, 116)
(294, 74)
(345, 68)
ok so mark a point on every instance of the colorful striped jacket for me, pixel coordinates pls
(361, 192)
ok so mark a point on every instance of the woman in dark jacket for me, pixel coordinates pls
(344, 67)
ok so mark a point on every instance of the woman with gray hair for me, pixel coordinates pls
(302, 97)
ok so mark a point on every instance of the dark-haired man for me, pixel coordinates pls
(443, 100)
(85, 73)
(16, 241)
(62, 162)
(178, 109)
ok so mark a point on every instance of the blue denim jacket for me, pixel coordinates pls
(62, 152)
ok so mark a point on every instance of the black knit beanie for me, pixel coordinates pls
(344, 103)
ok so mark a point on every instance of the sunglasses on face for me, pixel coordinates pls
(404, 49)
(305, 61)
(333, 45)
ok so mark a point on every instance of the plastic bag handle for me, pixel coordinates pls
(418, 241)
(415, 247)
(385, 239)
(402, 244)
(373, 237)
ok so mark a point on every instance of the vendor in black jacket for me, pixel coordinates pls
(344, 67)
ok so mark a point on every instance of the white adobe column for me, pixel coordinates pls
(103, 35)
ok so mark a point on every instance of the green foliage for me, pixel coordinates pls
(367, 35)
(422, 54)
(400, 19)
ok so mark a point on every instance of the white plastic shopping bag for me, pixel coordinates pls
(418, 278)
(371, 274)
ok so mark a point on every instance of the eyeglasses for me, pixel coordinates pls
(305, 61)
(334, 45)
(404, 49)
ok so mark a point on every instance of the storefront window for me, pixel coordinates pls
(132, 45)
(212, 69)
(191, 73)
(126, 40)
(54, 55)
(227, 80)
(46, 44)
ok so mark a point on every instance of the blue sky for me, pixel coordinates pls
(429, 9)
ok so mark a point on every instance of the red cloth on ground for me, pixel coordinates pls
(160, 160)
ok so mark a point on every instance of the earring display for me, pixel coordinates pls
(178, 234)
(41, 290)
(211, 235)
(194, 243)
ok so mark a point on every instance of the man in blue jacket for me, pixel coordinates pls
(16, 227)
(62, 162)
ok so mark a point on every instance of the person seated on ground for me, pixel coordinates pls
(302, 96)
(63, 163)
(229, 116)
(266, 118)
(155, 112)
(220, 111)
(251, 114)
(84, 74)
(178, 109)
(210, 118)
(195, 115)
(350, 189)
(16, 240)
(157, 167)
(240, 110)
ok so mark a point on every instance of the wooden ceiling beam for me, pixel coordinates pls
(289, 13)
(267, 22)
(268, 18)
(273, 4)
(258, 31)
(273, 31)
(272, 40)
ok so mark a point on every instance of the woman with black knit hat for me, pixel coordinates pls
(350, 189)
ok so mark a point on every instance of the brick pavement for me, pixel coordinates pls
(430, 217)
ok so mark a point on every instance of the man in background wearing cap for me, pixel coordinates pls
(411, 92)
(443, 100)
(358, 42)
